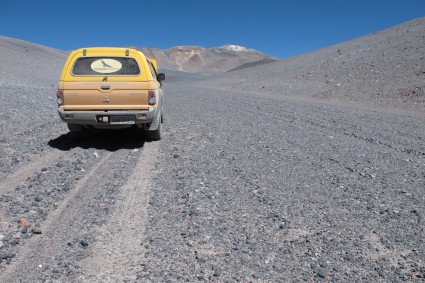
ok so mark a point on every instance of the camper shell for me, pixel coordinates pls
(111, 88)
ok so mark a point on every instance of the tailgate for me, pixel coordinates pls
(105, 95)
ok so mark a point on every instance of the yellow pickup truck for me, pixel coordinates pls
(111, 88)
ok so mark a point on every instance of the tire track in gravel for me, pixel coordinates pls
(402, 135)
(326, 120)
(58, 227)
(20, 148)
(25, 172)
(28, 170)
(118, 250)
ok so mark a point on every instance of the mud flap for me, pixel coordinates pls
(156, 121)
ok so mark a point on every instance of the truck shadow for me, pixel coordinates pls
(111, 140)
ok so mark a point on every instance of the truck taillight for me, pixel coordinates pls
(59, 96)
(151, 97)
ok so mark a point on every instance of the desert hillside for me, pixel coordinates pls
(28, 64)
(385, 68)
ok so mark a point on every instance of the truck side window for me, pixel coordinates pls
(152, 69)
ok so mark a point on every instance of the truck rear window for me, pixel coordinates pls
(98, 66)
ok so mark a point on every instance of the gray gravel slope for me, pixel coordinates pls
(30, 65)
(386, 68)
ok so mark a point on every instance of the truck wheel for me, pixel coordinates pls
(76, 131)
(154, 135)
(75, 127)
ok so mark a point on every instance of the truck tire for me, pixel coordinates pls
(154, 135)
(76, 131)
(75, 127)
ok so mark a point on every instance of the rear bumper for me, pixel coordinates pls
(104, 118)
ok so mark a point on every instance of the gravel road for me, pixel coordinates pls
(241, 188)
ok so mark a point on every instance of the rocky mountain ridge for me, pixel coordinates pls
(212, 60)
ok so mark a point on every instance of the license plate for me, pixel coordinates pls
(122, 120)
(123, 123)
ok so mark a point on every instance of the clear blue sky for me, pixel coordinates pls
(278, 28)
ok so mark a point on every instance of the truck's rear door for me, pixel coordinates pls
(104, 82)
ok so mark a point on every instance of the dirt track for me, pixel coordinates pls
(276, 191)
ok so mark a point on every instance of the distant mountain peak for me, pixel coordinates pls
(236, 48)
(211, 60)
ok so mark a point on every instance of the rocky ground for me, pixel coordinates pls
(243, 187)
(280, 190)
(283, 191)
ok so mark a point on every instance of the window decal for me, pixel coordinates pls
(106, 66)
